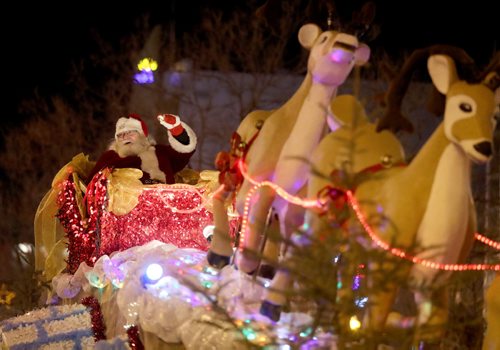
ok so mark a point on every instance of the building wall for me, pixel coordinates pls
(214, 103)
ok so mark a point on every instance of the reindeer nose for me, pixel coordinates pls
(484, 148)
(342, 52)
(341, 55)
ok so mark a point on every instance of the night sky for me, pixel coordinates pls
(42, 42)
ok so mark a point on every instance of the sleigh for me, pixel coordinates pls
(78, 223)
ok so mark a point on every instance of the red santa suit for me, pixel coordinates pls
(159, 163)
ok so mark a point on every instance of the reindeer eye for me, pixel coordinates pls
(466, 107)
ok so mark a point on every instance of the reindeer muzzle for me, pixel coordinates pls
(484, 148)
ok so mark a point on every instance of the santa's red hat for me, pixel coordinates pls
(132, 122)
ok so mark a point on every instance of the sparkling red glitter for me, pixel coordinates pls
(98, 326)
(133, 338)
(174, 216)
(155, 217)
(79, 233)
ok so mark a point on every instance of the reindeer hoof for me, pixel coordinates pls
(216, 260)
(270, 310)
(267, 271)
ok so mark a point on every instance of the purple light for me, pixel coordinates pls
(357, 282)
(341, 56)
(175, 79)
(144, 77)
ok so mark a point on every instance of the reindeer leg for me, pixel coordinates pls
(291, 217)
(275, 295)
(271, 251)
(221, 249)
(380, 301)
(432, 318)
(248, 259)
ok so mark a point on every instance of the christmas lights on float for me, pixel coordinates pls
(319, 203)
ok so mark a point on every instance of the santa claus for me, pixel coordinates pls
(134, 148)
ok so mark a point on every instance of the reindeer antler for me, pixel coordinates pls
(393, 118)
(491, 74)
(362, 21)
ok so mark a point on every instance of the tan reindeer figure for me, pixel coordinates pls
(355, 146)
(428, 203)
(294, 129)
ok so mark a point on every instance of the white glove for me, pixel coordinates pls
(172, 123)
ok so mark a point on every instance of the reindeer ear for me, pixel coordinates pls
(492, 80)
(497, 96)
(442, 71)
(362, 55)
(308, 33)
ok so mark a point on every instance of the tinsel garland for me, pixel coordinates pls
(82, 234)
(98, 326)
(133, 338)
(171, 215)
(71, 221)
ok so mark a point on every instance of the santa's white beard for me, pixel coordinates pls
(143, 148)
(132, 148)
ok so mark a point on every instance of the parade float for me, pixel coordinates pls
(341, 217)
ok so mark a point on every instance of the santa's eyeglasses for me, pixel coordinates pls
(126, 134)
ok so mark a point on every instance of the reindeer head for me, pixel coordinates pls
(333, 54)
(469, 116)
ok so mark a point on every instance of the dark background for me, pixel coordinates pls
(41, 40)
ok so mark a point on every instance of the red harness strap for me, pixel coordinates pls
(336, 198)
(227, 162)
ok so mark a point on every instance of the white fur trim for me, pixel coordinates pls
(128, 124)
(149, 164)
(179, 147)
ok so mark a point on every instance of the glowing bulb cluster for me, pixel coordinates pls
(146, 67)
(147, 64)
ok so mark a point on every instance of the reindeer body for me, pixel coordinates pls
(264, 152)
(292, 130)
(354, 146)
(428, 204)
(291, 133)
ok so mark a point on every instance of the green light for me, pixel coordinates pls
(207, 284)
(306, 332)
(248, 333)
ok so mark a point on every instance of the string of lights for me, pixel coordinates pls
(308, 203)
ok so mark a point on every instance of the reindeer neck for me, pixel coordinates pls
(443, 189)
(322, 92)
(308, 128)
(438, 150)
(313, 92)
(293, 104)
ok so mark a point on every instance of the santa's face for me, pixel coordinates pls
(131, 143)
